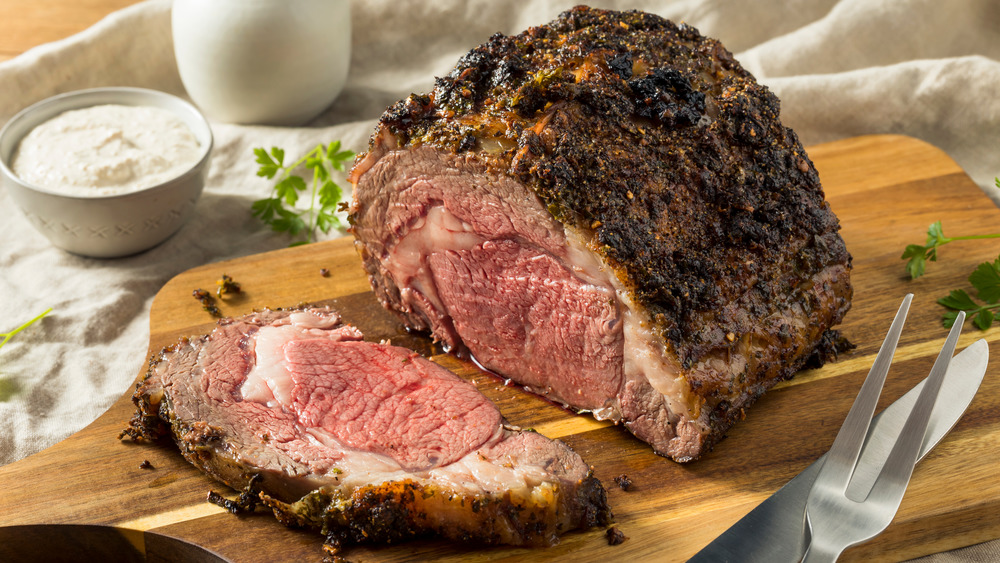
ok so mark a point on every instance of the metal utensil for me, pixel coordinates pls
(774, 531)
(838, 519)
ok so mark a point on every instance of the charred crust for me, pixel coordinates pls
(666, 95)
(615, 536)
(594, 500)
(830, 347)
(654, 139)
(624, 482)
(143, 427)
(245, 503)
(147, 424)
(726, 413)
(620, 64)
(405, 510)
(402, 115)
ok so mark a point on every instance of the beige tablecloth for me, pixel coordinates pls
(925, 68)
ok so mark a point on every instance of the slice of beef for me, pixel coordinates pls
(607, 210)
(362, 441)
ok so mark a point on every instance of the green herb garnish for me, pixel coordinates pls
(919, 255)
(986, 280)
(8, 335)
(280, 211)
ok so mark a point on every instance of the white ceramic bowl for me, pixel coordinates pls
(111, 225)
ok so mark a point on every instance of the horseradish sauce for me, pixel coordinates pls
(106, 150)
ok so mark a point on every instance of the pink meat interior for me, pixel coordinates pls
(388, 400)
(477, 260)
(291, 382)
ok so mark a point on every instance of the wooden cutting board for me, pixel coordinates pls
(88, 497)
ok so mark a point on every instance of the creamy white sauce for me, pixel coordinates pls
(106, 150)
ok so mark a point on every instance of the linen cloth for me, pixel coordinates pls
(923, 68)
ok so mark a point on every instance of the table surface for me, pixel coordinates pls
(27, 23)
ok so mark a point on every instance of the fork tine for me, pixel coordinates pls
(898, 468)
(837, 521)
(843, 455)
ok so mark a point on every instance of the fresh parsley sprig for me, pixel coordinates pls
(919, 255)
(280, 210)
(980, 310)
(8, 335)
(986, 280)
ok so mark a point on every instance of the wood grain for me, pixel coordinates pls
(27, 23)
(885, 189)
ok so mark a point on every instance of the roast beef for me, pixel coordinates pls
(608, 210)
(362, 441)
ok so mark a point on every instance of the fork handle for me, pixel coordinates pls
(820, 551)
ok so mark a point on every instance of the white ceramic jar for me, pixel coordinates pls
(273, 62)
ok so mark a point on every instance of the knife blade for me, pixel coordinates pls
(774, 531)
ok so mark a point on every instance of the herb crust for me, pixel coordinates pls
(655, 143)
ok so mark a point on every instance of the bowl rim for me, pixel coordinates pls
(95, 97)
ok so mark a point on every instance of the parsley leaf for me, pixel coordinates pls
(280, 210)
(917, 255)
(917, 263)
(268, 167)
(266, 208)
(948, 319)
(959, 300)
(983, 319)
(986, 281)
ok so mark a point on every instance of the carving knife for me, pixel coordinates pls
(775, 530)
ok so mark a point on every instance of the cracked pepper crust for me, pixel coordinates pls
(657, 145)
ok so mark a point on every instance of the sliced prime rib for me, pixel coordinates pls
(608, 210)
(363, 441)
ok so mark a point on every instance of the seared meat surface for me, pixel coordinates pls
(607, 210)
(361, 441)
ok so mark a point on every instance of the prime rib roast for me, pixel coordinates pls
(607, 210)
(362, 441)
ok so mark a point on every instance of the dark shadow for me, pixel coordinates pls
(66, 543)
